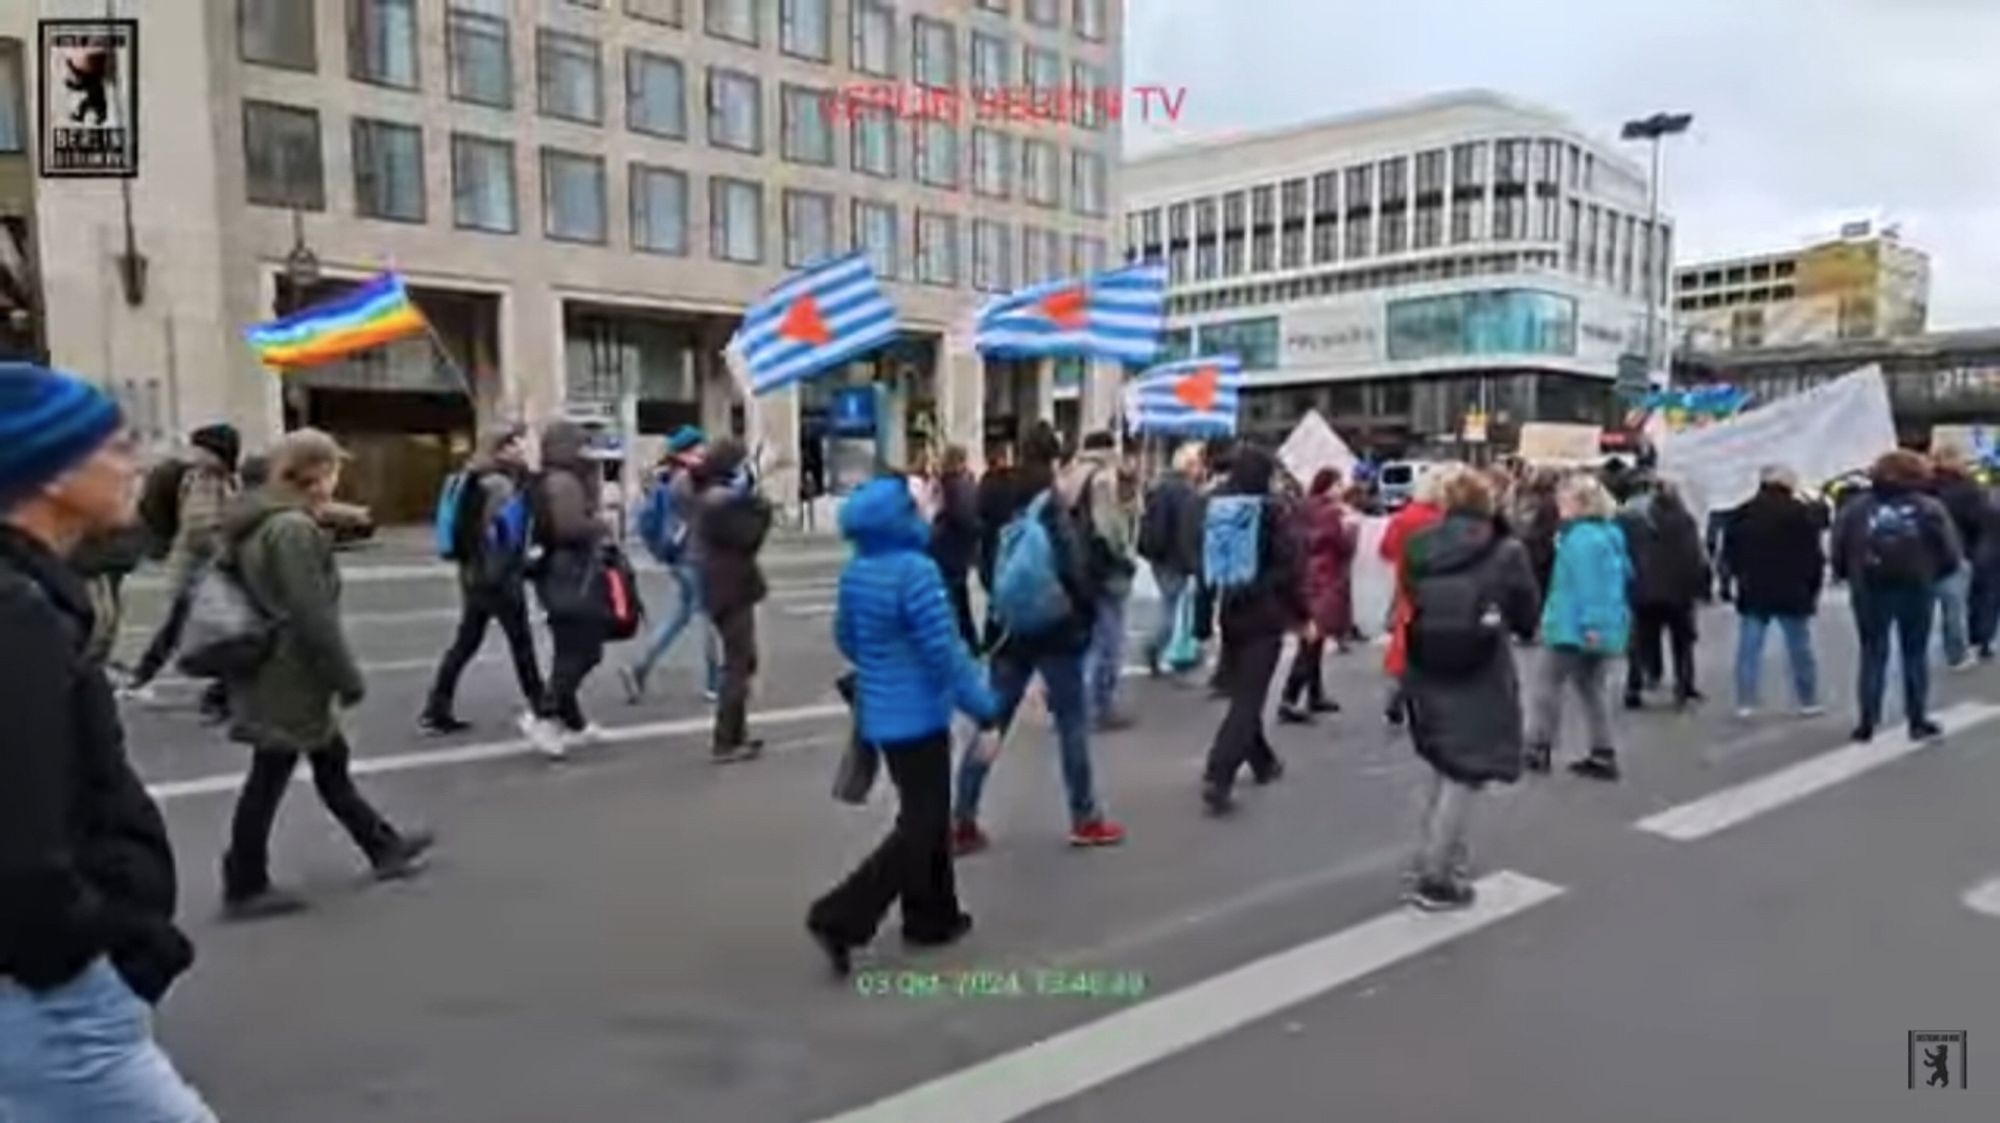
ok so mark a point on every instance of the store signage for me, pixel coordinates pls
(853, 411)
(90, 98)
(1332, 337)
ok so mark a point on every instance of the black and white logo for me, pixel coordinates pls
(90, 98)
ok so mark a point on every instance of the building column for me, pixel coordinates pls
(1039, 400)
(1099, 396)
(716, 390)
(774, 423)
(892, 423)
(961, 381)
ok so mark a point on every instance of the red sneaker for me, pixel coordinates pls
(1097, 832)
(968, 839)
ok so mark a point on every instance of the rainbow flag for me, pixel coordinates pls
(369, 314)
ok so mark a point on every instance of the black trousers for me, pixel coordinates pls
(482, 607)
(1247, 681)
(1204, 611)
(737, 629)
(913, 864)
(1307, 681)
(959, 590)
(1650, 625)
(168, 638)
(246, 866)
(579, 649)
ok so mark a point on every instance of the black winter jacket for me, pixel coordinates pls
(85, 866)
(1771, 548)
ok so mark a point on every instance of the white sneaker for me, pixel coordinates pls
(146, 695)
(1963, 665)
(544, 736)
(1746, 713)
(592, 735)
(1814, 710)
(709, 696)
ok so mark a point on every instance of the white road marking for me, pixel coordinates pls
(1722, 810)
(809, 610)
(363, 573)
(1984, 897)
(1058, 1068)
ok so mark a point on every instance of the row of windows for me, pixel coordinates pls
(1762, 272)
(1493, 322)
(382, 49)
(281, 145)
(1772, 295)
(1333, 283)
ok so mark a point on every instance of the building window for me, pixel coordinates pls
(1035, 264)
(569, 76)
(1326, 194)
(1088, 255)
(659, 210)
(735, 220)
(1089, 18)
(990, 272)
(1497, 322)
(482, 184)
(1429, 228)
(1040, 181)
(1430, 174)
(1395, 231)
(1232, 256)
(808, 227)
(1467, 220)
(1326, 242)
(1293, 249)
(278, 33)
(1360, 235)
(875, 141)
(1510, 218)
(1045, 13)
(388, 171)
(281, 156)
(1043, 74)
(1091, 100)
(1292, 202)
(934, 53)
(1468, 166)
(936, 153)
(1087, 182)
(572, 196)
(655, 94)
(658, 11)
(735, 20)
(875, 235)
(382, 42)
(937, 248)
(13, 98)
(989, 62)
(735, 111)
(808, 127)
(874, 37)
(805, 29)
(1263, 252)
(1177, 264)
(482, 62)
(1253, 341)
(991, 158)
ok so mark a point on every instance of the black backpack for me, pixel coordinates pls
(1454, 631)
(160, 505)
(1895, 546)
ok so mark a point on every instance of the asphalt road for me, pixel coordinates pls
(1747, 928)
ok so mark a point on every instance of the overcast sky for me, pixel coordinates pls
(1808, 113)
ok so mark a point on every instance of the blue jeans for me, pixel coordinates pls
(1954, 595)
(84, 1053)
(1172, 587)
(1907, 609)
(1750, 631)
(689, 580)
(1062, 684)
(1105, 660)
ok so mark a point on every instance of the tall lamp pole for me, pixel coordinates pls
(1655, 129)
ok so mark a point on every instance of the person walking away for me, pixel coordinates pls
(1893, 546)
(1092, 479)
(1044, 608)
(567, 501)
(1170, 542)
(1965, 501)
(1329, 547)
(955, 533)
(1773, 549)
(184, 502)
(1471, 588)
(1423, 510)
(732, 523)
(1586, 624)
(1671, 575)
(1251, 556)
(1537, 521)
(893, 621)
(88, 887)
(998, 503)
(665, 528)
(490, 534)
(273, 542)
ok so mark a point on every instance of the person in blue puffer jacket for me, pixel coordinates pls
(1586, 624)
(894, 622)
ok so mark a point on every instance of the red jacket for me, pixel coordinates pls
(1395, 537)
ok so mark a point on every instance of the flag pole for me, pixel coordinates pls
(464, 379)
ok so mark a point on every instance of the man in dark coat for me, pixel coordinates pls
(567, 499)
(731, 523)
(1170, 541)
(1966, 502)
(1670, 575)
(1773, 551)
(955, 538)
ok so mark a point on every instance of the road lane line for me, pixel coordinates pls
(1068, 1064)
(1722, 810)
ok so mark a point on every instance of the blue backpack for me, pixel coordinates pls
(660, 524)
(1028, 594)
(1230, 536)
(444, 522)
(512, 526)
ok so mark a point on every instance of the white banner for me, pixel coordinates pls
(1314, 445)
(1557, 442)
(1820, 434)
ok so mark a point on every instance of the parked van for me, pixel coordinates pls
(1396, 484)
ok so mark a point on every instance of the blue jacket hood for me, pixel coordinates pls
(881, 517)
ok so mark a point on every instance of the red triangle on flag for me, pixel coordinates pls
(1197, 390)
(1069, 308)
(804, 323)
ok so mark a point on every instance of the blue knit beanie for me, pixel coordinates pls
(49, 423)
(685, 438)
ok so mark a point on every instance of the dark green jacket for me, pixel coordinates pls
(287, 565)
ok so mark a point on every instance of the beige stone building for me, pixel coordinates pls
(583, 196)
(1864, 285)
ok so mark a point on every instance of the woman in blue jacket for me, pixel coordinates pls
(894, 622)
(1586, 622)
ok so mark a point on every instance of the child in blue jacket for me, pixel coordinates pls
(1586, 623)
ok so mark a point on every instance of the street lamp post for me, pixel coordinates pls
(1655, 128)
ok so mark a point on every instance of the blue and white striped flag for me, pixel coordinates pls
(818, 318)
(1117, 316)
(1189, 398)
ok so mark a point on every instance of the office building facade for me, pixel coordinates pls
(1863, 285)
